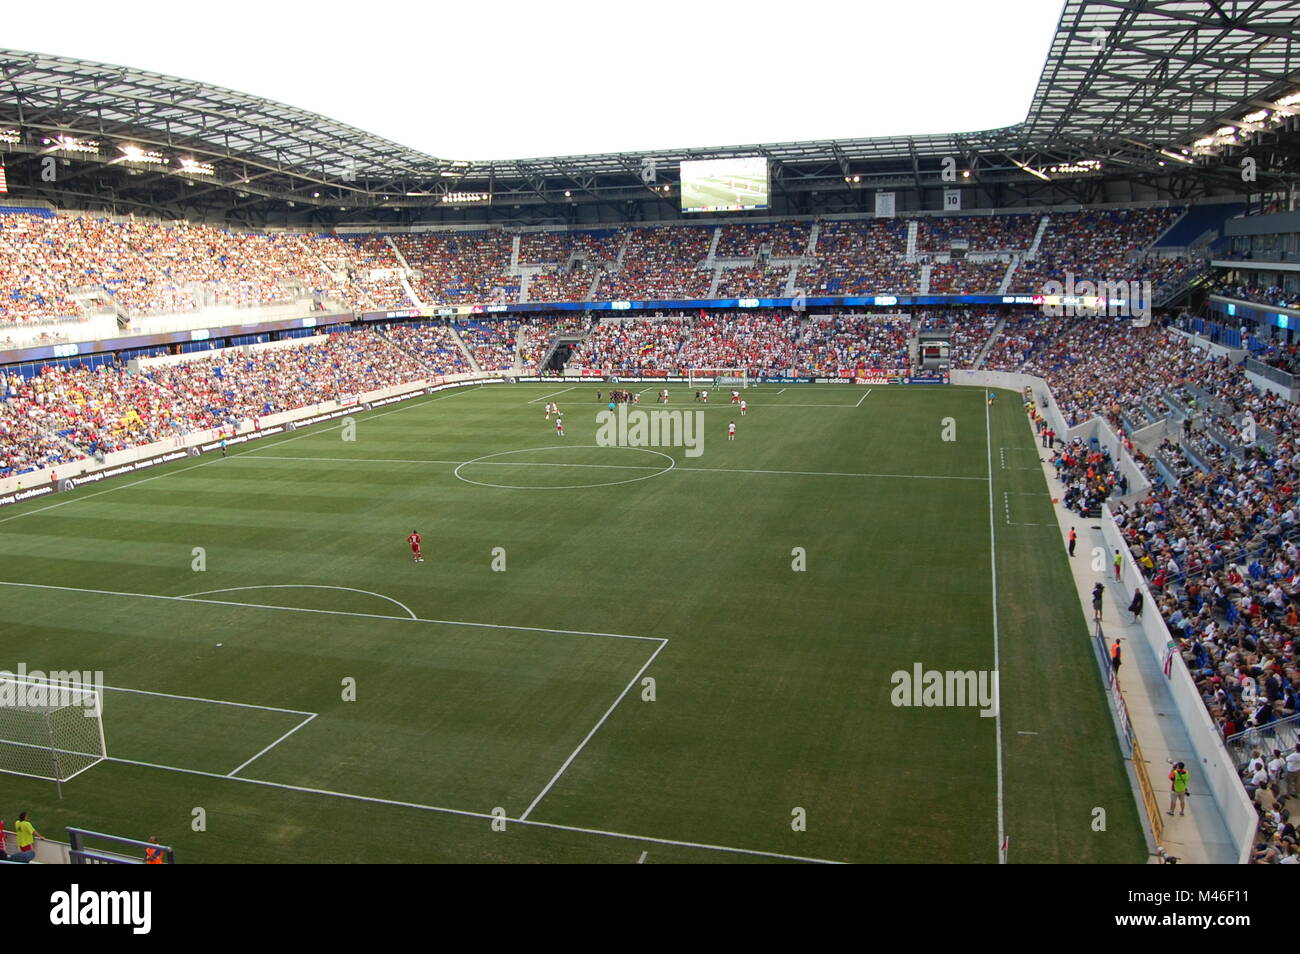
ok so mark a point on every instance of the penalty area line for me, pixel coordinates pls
(574, 754)
(324, 612)
(485, 816)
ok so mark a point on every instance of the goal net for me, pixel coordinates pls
(49, 730)
(718, 377)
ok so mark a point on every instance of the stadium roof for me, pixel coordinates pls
(1129, 88)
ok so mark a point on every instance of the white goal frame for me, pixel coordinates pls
(50, 730)
(718, 377)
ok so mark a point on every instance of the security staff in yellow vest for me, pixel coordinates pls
(1178, 789)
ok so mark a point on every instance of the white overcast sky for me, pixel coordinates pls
(507, 79)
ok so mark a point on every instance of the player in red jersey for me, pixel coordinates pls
(414, 541)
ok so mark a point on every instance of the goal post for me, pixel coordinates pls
(718, 377)
(49, 730)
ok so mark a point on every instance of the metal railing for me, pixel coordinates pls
(1276, 375)
(79, 854)
(1282, 735)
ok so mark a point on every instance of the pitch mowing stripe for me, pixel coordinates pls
(304, 609)
(466, 813)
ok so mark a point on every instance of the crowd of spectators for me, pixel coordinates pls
(969, 330)
(866, 256)
(536, 335)
(494, 344)
(1097, 246)
(1264, 294)
(829, 345)
(49, 264)
(661, 263)
(456, 268)
(433, 345)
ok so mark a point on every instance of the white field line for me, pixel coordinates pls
(712, 470)
(206, 463)
(301, 609)
(304, 586)
(465, 813)
(215, 702)
(461, 463)
(233, 772)
(997, 651)
(552, 394)
(863, 398)
(641, 860)
(574, 754)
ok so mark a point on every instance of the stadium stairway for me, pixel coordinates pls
(1200, 836)
(988, 345)
(464, 349)
(1032, 251)
(407, 271)
(1007, 275)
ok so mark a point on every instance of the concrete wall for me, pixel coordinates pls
(1137, 481)
(1214, 770)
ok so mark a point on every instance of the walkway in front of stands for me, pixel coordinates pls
(1200, 836)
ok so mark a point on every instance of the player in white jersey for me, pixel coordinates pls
(548, 410)
(731, 431)
(663, 396)
(559, 425)
(744, 408)
(704, 396)
(735, 397)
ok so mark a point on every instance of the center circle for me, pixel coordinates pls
(490, 460)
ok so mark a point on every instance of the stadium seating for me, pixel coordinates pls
(51, 264)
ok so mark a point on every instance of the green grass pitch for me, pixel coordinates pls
(522, 691)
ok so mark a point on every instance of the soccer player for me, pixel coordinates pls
(663, 396)
(744, 408)
(731, 431)
(597, 397)
(704, 395)
(735, 397)
(636, 398)
(223, 447)
(548, 410)
(559, 425)
(414, 541)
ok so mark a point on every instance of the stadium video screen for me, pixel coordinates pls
(724, 185)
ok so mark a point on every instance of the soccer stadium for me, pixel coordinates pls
(912, 499)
